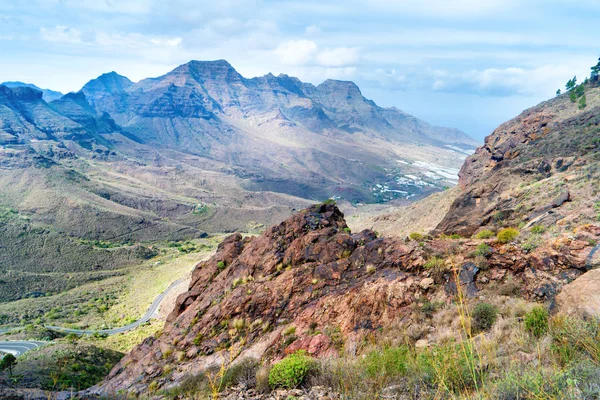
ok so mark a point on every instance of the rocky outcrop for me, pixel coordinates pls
(582, 296)
(310, 284)
(553, 139)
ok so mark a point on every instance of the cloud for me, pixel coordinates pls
(338, 57)
(107, 6)
(61, 34)
(307, 52)
(312, 30)
(296, 52)
(503, 81)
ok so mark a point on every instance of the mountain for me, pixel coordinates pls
(281, 134)
(538, 167)
(47, 94)
(197, 151)
(309, 284)
(528, 196)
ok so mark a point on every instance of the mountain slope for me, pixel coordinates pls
(47, 94)
(280, 133)
(540, 167)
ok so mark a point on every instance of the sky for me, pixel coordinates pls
(467, 64)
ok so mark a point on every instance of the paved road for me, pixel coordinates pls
(152, 311)
(19, 347)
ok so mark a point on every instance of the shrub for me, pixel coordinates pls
(450, 367)
(483, 250)
(536, 321)
(483, 317)
(221, 265)
(507, 235)
(435, 263)
(386, 363)
(485, 234)
(292, 370)
(416, 236)
(262, 379)
(538, 229)
(242, 373)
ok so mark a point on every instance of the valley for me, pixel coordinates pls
(199, 234)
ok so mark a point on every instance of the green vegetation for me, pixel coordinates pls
(292, 370)
(8, 362)
(485, 234)
(582, 102)
(435, 263)
(483, 250)
(64, 366)
(507, 235)
(571, 83)
(221, 265)
(416, 236)
(483, 317)
(538, 229)
(536, 321)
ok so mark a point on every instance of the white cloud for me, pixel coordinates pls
(504, 81)
(312, 30)
(108, 6)
(458, 9)
(338, 57)
(61, 34)
(307, 52)
(296, 52)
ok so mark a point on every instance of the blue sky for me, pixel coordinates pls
(469, 64)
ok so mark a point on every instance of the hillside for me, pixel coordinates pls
(539, 168)
(436, 315)
(90, 178)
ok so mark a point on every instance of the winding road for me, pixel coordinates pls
(19, 347)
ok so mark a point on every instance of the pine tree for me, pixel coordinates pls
(571, 83)
(595, 71)
(558, 92)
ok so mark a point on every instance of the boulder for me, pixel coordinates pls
(582, 296)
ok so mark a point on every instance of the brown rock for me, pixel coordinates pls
(582, 296)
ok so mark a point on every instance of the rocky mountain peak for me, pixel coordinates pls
(21, 93)
(201, 71)
(110, 82)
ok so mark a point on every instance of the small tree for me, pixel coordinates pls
(7, 363)
(595, 71)
(558, 92)
(571, 83)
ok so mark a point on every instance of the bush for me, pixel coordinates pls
(485, 234)
(386, 363)
(538, 229)
(292, 370)
(483, 317)
(483, 250)
(242, 373)
(536, 321)
(221, 265)
(416, 236)
(507, 235)
(435, 263)
(450, 367)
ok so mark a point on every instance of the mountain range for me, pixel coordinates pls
(198, 150)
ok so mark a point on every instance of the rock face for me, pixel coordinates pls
(308, 284)
(514, 176)
(582, 296)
